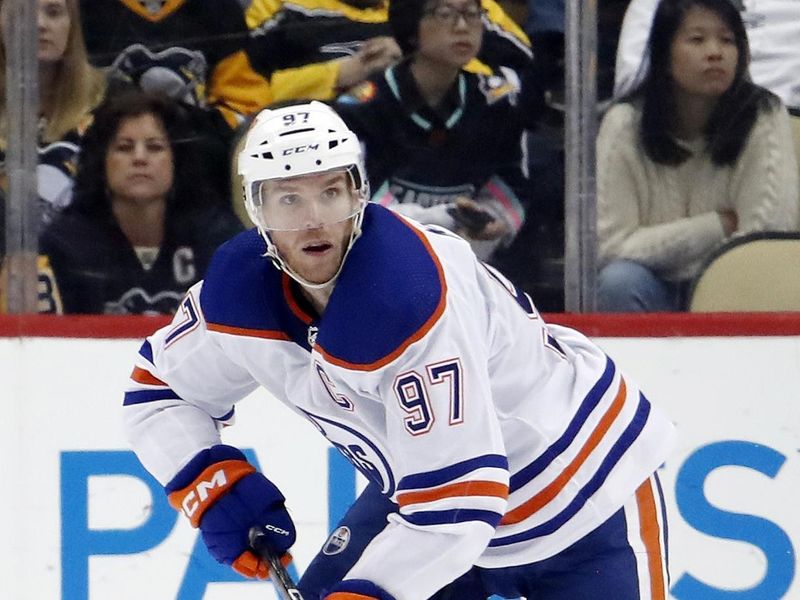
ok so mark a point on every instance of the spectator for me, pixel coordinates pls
(215, 29)
(443, 145)
(181, 74)
(142, 227)
(69, 88)
(316, 49)
(773, 31)
(696, 154)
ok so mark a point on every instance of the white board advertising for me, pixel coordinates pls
(83, 521)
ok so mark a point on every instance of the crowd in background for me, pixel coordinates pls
(460, 108)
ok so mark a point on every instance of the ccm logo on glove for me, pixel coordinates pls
(208, 487)
(225, 496)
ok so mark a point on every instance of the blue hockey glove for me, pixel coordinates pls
(223, 494)
(356, 588)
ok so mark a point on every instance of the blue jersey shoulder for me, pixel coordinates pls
(237, 285)
(389, 294)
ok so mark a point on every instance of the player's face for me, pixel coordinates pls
(139, 162)
(450, 32)
(309, 219)
(704, 54)
(53, 26)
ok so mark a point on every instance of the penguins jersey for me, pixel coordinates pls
(502, 440)
(109, 276)
(216, 29)
(419, 160)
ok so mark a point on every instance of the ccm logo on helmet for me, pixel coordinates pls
(300, 149)
(196, 497)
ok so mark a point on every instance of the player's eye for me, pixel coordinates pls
(331, 193)
(289, 200)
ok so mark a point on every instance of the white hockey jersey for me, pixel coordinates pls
(502, 439)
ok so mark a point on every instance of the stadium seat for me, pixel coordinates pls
(757, 272)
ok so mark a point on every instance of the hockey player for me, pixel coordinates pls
(501, 451)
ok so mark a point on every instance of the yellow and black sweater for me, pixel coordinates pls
(216, 28)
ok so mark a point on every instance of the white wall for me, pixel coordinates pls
(735, 401)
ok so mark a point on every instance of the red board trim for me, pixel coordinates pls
(593, 325)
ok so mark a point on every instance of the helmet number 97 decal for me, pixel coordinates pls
(294, 118)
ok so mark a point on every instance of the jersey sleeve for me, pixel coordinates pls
(236, 90)
(181, 391)
(504, 42)
(315, 81)
(631, 48)
(270, 52)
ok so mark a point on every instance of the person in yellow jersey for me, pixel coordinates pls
(215, 29)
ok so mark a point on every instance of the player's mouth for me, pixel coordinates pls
(317, 248)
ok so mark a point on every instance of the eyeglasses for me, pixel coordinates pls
(447, 14)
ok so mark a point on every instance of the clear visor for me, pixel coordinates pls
(305, 202)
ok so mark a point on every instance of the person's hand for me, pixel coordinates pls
(224, 495)
(378, 53)
(356, 588)
(491, 230)
(729, 220)
(375, 54)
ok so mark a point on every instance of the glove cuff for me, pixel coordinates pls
(251, 566)
(207, 487)
(357, 589)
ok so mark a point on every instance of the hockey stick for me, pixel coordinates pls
(281, 579)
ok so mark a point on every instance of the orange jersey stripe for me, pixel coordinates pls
(465, 488)
(139, 375)
(526, 509)
(650, 532)
(348, 596)
(259, 333)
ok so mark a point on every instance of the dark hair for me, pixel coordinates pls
(737, 109)
(91, 183)
(404, 18)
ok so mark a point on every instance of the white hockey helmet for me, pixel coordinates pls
(292, 141)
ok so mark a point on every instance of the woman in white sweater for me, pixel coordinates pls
(696, 154)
